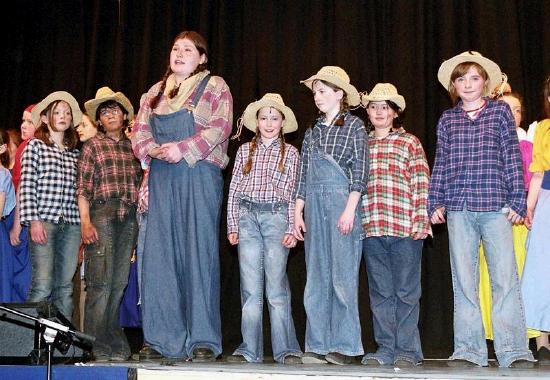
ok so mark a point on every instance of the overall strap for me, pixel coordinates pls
(200, 90)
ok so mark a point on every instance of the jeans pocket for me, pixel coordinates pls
(95, 260)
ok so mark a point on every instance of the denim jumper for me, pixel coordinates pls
(332, 261)
(181, 274)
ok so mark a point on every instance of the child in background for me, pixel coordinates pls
(48, 200)
(260, 219)
(395, 221)
(333, 174)
(7, 205)
(477, 182)
(535, 284)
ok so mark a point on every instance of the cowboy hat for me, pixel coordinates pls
(55, 96)
(338, 77)
(447, 67)
(269, 100)
(104, 94)
(384, 91)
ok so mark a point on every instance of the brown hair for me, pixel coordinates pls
(202, 47)
(344, 105)
(252, 149)
(111, 104)
(42, 133)
(5, 157)
(546, 93)
(397, 122)
(460, 70)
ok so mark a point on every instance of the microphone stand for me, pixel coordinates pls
(51, 330)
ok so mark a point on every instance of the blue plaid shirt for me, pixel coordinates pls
(477, 162)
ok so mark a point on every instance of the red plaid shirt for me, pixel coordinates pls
(397, 192)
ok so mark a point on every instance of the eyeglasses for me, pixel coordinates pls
(110, 111)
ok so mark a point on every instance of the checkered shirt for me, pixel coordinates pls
(478, 162)
(265, 183)
(397, 198)
(48, 184)
(347, 144)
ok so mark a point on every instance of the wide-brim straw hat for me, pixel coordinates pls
(447, 67)
(269, 100)
(382, 92)
(55, 96)
(104, 94)
(338, 77)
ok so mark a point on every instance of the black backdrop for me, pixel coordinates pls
(268, 46)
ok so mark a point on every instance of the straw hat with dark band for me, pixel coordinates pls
(55, 96)
(269, 100)
(338, 77)
(104, 94)
(447, 67)
(382, 92)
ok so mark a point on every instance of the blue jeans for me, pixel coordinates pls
(393, 269)
(106, 274)
(466, 228)
(332, 262)
(54, 265)
(262, 260)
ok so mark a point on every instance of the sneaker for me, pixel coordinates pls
(405, 363)
(203, 354)
(313, 358)
(543, 355)
(338, 358)
(460, 363)
(236, 359)
(371, 362)
(149, 354)
(119, 357)
(522, 363)
(292, 359)
(100, 357)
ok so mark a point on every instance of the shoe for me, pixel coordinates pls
(119, 357)
(100, 357)
(338, 358)
(203, 354)
(372, 362)
(149, 354)
(522, 363)
(313, 358)
(460, 363)
(404, 363)
(292, 359)
(236, 359)
(543, 355)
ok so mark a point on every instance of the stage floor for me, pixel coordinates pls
(431, 369)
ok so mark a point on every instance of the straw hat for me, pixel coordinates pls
(104, 94)
(447, 67)
(384, 91)
(338, 77)
(269, 100)
(54, 96)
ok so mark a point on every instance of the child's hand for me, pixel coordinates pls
(15, 232)
(299, 226)
(438, 216)
(171, 153)
(529, 218)
(289, 241)
(514, 217)
(233, 238)
(345, 222)
(89, 233)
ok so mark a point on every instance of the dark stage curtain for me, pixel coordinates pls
(268, 46)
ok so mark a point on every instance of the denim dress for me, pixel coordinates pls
(180, 279)
(332, 261)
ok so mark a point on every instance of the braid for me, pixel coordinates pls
(156, 99)
(253, 144)
(281, 166)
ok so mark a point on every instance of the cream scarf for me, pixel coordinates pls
(186, 89)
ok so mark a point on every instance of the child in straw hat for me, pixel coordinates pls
(47, 193)
(333, 174)
(477, 183)
(108, 181)
(395, 221)
(260, 219)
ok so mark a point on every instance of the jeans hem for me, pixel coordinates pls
(508, 357)
(281, 357)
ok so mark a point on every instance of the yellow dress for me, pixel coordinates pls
(541, 160)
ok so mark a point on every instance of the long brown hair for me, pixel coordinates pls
(202, 47)
(70, 137)
(344, 104)
(547, 97)
(5, 157)
(252, 149)
(460, 70)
